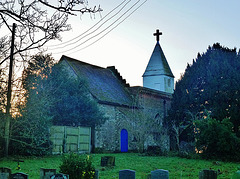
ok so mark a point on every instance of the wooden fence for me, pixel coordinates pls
(70, 139)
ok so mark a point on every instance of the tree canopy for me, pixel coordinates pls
(38, 21)
(32, 24)
(211, 83)
(51, 97)
(29, 132)
(215, 139)
(71, 102)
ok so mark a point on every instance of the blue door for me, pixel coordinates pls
(124, 140)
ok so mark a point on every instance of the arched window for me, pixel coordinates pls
(159, 119)
(169, 82)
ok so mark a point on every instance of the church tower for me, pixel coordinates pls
(158, 75)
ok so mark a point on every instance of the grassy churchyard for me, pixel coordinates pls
(177, 167)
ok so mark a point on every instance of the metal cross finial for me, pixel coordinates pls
(157, 34)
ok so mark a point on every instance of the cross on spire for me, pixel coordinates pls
(157, 34)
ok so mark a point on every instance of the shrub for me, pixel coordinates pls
(216, 140)
(155, 151)
(77, 166)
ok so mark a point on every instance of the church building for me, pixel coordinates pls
(135, 115)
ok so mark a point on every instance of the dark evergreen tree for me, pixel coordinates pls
(72, 104)
(30, 129)
(51, 97)
(212, 84)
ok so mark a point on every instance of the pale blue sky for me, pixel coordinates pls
(188, 27)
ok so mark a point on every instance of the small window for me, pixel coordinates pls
(159, 119)
(169, 82)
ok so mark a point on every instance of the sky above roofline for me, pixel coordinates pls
(188, 27)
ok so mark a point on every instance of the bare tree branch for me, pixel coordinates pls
(39, 21)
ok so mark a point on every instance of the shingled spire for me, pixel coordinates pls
(158, 75)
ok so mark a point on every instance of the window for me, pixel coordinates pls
(169, 82)
(158, 119)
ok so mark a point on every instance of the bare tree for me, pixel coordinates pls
(144, 126)
(37, 22)
(177, 129)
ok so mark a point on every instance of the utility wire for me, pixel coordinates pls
(80, 34)
(110, 29)
(76, 38)
(106, 27)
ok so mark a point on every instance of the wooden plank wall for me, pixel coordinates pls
(70, 139)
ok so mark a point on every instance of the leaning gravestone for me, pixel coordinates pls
(127, 174)
(46, 173)
(5, 173)
(160, 174)
(19, 175)
(208, 174)
(59, 176)
(108, 161)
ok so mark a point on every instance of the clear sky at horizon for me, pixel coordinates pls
(188, 27)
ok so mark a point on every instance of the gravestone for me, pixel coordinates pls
(107, 161)
(160, 174)
(46, 173)
(19, 175)
(208, 174)
(59, 176)
(5, 173)
(127, 174)
(96, 174)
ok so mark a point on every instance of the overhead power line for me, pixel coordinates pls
(76, 46)
(110, 29)
(104, 30)
(72, 41)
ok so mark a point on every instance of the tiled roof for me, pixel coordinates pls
(102, 83)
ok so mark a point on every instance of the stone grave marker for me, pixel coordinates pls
(160, 173)
(108, 161)
(5, 173)
(19, 175)
(59, 176)
(127, 174)
(96, 174)
(46, 173)
(208, 174)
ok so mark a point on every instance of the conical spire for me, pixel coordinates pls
(158, 75)
(158, 64)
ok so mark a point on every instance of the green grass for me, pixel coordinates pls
(177, 167)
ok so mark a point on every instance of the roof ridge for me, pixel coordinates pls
(103, 83)
(78, 61)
